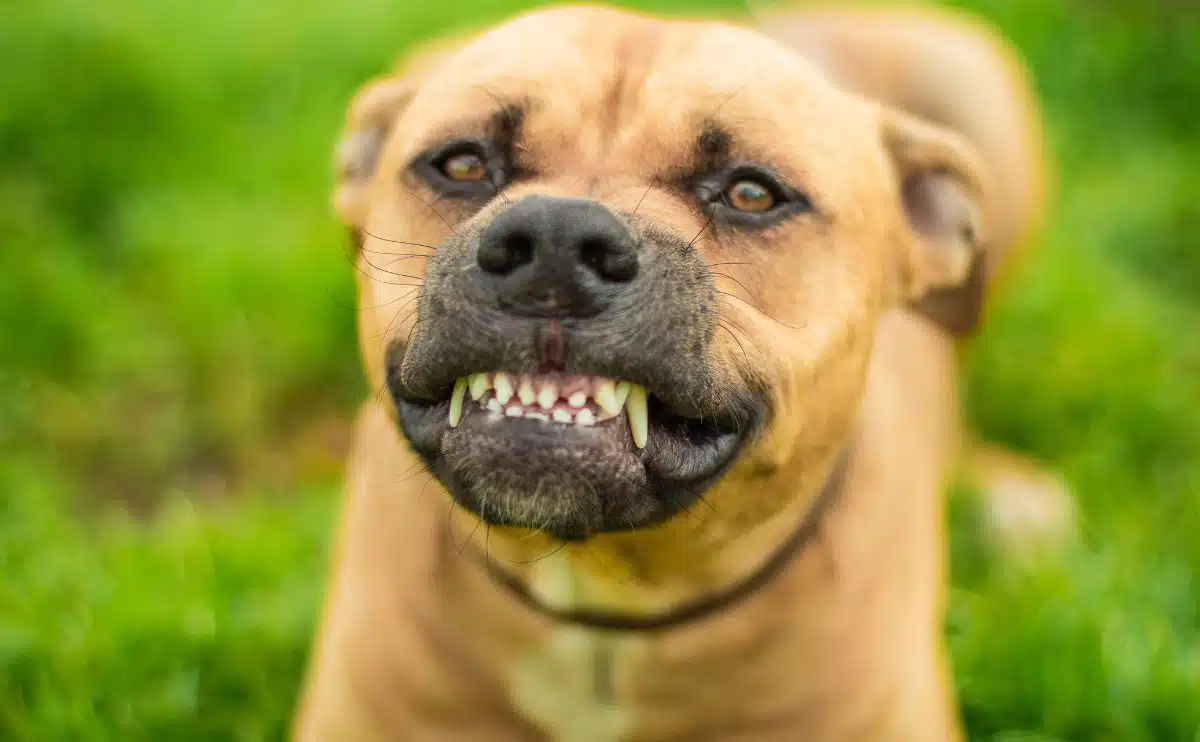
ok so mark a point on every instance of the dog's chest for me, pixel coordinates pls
(569, 686)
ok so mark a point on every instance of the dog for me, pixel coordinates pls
(665, 315)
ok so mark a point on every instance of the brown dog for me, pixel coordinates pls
(666, 315)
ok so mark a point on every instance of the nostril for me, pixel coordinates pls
(520, 249)
(507, 253)
(608, 261)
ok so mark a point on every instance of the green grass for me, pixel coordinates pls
(177, 334)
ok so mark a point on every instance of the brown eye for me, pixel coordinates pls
(751, 196)
(465, 168)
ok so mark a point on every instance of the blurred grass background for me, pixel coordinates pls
(177, 363)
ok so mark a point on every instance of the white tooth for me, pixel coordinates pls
(514, 411)
(635, 408)
(539, 416)
(525, 392)
(479, 385)
(578, 399)
(622, 394)
(605, 395)
(456, 401)
(585, 417)
(504, 388)
(494, 405)
(548, 396)
(562, 416)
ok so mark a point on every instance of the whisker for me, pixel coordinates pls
(751, 305)
(429, 206)
(399, 242)
(706, 225)
(469, 537)
(653, 182)
(739, 342)
(547, 555)
(731, 278)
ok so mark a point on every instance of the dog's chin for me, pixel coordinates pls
(570, 480)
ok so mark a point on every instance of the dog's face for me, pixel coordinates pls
(610, 264)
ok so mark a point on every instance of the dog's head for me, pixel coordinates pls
(610, 264)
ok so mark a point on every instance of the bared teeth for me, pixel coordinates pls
(525, 392)
(548, 395)
(504, 388)
(456, 402)
(637, 410)
(605, 395)
(622, 393)
(480, 384)
(538, 399)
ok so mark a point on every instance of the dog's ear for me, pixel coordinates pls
(368, 123)
(944, 196)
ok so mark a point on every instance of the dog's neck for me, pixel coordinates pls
(561, 586)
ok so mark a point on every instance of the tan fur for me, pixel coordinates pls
(417, 642)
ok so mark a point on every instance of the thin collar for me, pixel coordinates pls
(701, 607)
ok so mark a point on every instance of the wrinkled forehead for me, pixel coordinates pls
(596, 88)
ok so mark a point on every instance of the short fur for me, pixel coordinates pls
(917, 140)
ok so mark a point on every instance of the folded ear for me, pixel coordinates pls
(944, 196)
(369, 121)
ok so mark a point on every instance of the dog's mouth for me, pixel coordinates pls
(569, 454)
(553, 399)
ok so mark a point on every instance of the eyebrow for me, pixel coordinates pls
(502, 127)
(713, 147)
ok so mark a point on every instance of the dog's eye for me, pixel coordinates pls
(465, 167)
(750, 196)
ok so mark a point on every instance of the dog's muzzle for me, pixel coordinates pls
(560, 375)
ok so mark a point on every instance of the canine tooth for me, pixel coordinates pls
(513, 411)
(456, 401)
(605, 395)
(585, 417)
(504, 388)
(494, 405)
(636, 409)
(578, 399)
(479, 386)
(562, 416)
(539, 416)
(525, 392)
(622, 393)
(548, 395)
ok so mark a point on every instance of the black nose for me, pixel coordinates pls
(557, 256)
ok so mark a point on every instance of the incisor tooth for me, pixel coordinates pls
(585, 417)
(635, 408)
(513, 411)
(494, 405)
(605, 395)
(547, 396)
(456, 401)
(525, 392)
(479, 386)
(503, 387)
(562, 416)
(578, 399)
